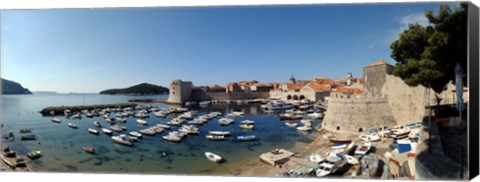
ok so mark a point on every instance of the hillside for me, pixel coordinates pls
(140, 89)
(11, 87)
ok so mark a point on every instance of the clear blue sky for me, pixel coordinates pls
(89, 50)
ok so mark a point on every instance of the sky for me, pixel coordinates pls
(89, 50)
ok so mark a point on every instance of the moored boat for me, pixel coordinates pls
(56, 120)
(246, 126)
(246, 138)
(224, 133)
(34, 154)
(291, 124)
(142, 122)
(93, 131)
(28, 137)
(107, 131)
(89, 149)
(72, 125)
(136, 134)
(213, 157)
(304, 128)
(215, 137)
(97, 124)
(122, 139)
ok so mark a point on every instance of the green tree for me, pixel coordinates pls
(427, 55)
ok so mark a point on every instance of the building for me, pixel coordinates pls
(180, 91)
(375, 75)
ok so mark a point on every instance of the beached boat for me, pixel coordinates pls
(362, 148)
(97, 124)
(213, 157)
(28, 137)
(142, 122)
(224, 133)
(351, 160)
(56, 120)
(122, 139)
(215, 137)
(89, 149)
(338, 145)
(291, 124)
(304, 128)
(332, 165)
(316, 158)
(340, 140)
(107, 131)
(246, 126)
(400, 133)
(136, 134)
(72, 125)
(246, 138)
(93, 131)
(34, 154)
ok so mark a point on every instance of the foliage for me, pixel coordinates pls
(140, 89)
(427, 55)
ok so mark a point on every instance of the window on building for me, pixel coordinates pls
(360, 129)
(173, 93)
(173, 88)
(338, 127)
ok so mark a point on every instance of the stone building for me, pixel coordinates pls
(180, 91)
(375, 75)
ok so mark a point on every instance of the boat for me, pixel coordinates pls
(148, 131)
(116, 128)
(304, 128)
(190, 129)
(225, 121)
(339, 145)
(107, 131)
(163, 126)
(215, 137)
(28, 137)
(142, 122)
(279, 105)
(315, 115)
(97, 124)
(56, 120)
(289, 116)
(332, 165)
(122, 139)
(351, 160)
(400, 133)
(291, 124)
(247, 122)
(224, 133)
(26, 130)
(89, 149)
(246, 138)
(93, 131)
(34, 154)
(362, 148)
(136, 134)
(246, 126)
(340, 140)
(71, 125)
(316, 158)
(213, 157)
(172, 138)
(132, 138)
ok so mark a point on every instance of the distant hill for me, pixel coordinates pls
(140, 89)
(11, 87)
(44, 92)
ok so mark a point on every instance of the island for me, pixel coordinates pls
(11, 87)
(140, 89)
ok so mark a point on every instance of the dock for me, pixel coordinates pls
(59, 110)
(277, 156)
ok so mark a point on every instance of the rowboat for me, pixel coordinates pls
(213, 157)
(338, 145)
(363, 148)
(28, 137)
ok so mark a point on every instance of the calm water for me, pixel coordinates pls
(62, 146)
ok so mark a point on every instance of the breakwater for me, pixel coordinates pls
(59, 110)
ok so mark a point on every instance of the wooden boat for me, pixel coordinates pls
(340, 140)
(246, 126)
(72, 125)
(107, 131)
(224, 133)
(213, 157)
(56, 120)
(34, 154)
(362, 148)
(93, 131)
(136, 134)
(28, 137)
(215, 137)
(122, 139)
(89, 149)
(246, 138)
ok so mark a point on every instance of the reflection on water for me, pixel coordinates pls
(62, 146)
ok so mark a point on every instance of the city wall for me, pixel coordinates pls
(200, 95)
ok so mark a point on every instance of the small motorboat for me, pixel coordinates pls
(116, 128)
(148, 131)
(351, 160)
(215, 137)
(224, 133)
(339, 145)
(316, 158)
(107, 131)
(136, 134)
(163, 126)
(213, 157)
(142, 122)
(331, 165)
(246, 126)
(246, 138)
(89, 149)
(72, 125)
(56, 120)
(291, 124)
(247, 122)
(172, 138)
(362, 148)
(34, 154)
(93, 131)
(28, 137)
(304, 128)
(97, 124)
(122, 139)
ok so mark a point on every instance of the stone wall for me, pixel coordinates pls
(349, 114)
(200, 95)
(180, 91)
(375, 77)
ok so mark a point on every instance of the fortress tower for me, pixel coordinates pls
(375, 75)
(180, 91)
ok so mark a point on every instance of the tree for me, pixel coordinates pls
(427, 55)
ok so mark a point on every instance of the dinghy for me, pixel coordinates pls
(213, 157)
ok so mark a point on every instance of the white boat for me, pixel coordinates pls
(247, 122)
(224, 133)
(107, 131)
(163, 126)
(315, 115)
(291, 124)
(93, 131)
(246, 126)
(148, 131)
(339, 145)
(71, 125)
(122, 139)
(316, 158)
(56, 120)
(331, 165)
(116, 128)
(142, 122)
(246, 138)
(362, 148)
(172, 138)
(225, 121)
(351, 160)
(304, 128)
(215, 137)
(279, 105)
(213, 157)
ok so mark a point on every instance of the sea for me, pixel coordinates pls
(62, 146)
